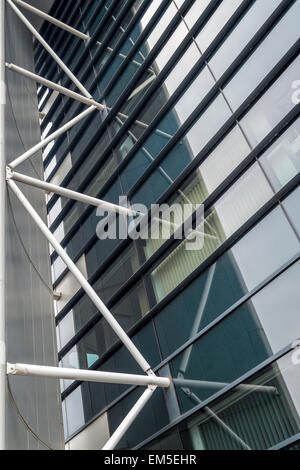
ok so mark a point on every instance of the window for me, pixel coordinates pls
(258, 416)
(258, 329)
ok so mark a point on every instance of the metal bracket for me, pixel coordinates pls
(57, 295)
(9, 173)
(10, 369)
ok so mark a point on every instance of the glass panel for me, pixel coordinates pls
(119, 272)
(272, 106)
(247, 196)
(261, 413)
(154, 414)
(265, 57)
(255, 331)
(167, 127)
(282, 161)
(183, 152)
(249, 24)
(291, 205)
(256, 256)
(210, 174)
(128, 45)
(74, 421)
(169, 441)
(216, 23)
(145, 49)
(127, 312)
(82, 312)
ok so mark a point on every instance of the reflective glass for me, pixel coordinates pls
(265, 57)
(256, 415)
(262, 251)
(258, 329)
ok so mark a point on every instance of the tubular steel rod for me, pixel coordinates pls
(81, 279)
(86, 375)
(49, 18)
(127, 422)
(51, 137)
(53, 188)
(2, 226)
(55, 86)
(49, 49)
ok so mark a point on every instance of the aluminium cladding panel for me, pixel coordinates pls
(30, 327)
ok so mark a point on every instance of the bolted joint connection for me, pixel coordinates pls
(9, 173)
(88, 39)
(152, 374)
(57, 295)
(11, 369)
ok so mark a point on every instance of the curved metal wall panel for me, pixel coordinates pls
(30, 318)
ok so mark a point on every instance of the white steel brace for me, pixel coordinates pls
(2, 226)
(68, 193)
(55, 86)
(53, 188)
(81, 279)
(51, 137)
(129, 419)
(86, 375)
(49, 18)
(49, 49)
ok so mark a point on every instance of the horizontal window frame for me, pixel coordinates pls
(286, 443)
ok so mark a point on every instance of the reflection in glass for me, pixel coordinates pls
(264, 58)
(246, 28)
(255, 257)
(229, 213)
(255, 331)
(98, 340)
(282, 161)
(272, 106)
(257, 415)
(291, 205)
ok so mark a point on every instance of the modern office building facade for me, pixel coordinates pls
(201, 107)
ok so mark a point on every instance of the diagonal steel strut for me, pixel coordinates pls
(51, 137)
(52, 20)
(81, 279)
(49, 49)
